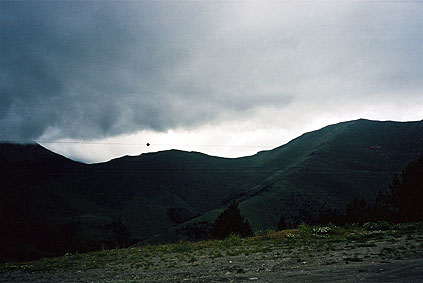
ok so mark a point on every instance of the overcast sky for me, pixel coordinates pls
(224, 78)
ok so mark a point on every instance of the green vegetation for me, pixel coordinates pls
(404, 202)
(52, 205)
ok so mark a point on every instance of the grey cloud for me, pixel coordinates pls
(97, 69)
(384, 47)
(90, 69)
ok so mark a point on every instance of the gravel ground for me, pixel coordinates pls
(386, 258)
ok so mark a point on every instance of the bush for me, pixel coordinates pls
(305, 231)
(264, 233)
(232, 240)
(321, 232)
(381, 225)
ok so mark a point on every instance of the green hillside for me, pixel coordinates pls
(331, 166)
(324, 169)
(163, 195)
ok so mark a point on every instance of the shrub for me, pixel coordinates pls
(381, 225)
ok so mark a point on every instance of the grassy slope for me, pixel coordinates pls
(150, 184)
(326, 168)
(329, 166)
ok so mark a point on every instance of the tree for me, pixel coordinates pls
(407, 192)
(356, 211)
(230, 222)
(381, 209)
(282, 223)
(120, 233)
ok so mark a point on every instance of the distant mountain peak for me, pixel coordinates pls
(27, 152)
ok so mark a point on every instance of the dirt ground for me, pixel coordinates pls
(387, 258)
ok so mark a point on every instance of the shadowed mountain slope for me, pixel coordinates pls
(129, 199)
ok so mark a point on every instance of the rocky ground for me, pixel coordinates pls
(317, 254)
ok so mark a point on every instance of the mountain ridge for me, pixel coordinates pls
(134, 198)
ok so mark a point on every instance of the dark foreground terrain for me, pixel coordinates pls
(375, 252)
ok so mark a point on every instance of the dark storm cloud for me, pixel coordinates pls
(93, 69)
(88, 69)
